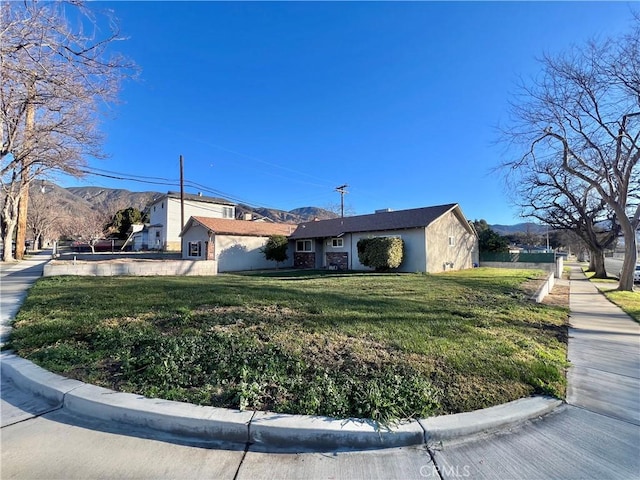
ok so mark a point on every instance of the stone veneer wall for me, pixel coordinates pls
(304, 260)
(141, 269)
(339, 259)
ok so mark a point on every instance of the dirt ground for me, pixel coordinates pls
(559, 296)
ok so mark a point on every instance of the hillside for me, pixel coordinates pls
(111, 200)
(519, 228)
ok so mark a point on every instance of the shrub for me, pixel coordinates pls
(276, 248)
(381, 253)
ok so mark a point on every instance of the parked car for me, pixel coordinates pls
(636, 274)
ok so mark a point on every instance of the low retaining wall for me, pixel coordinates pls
(547, 267)
(555, 267)
(545, 288)
(133, 268)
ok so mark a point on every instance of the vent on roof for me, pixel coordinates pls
(384, 210)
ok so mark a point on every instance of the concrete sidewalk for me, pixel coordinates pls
(597, 434)
(15, 280)
(604, 351)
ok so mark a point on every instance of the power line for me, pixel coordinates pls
(256, 159)
(168, 182)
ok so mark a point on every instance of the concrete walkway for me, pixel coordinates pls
(15, 280)
(596, 435)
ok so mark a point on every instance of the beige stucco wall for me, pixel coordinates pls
(195, 234)
(236, 253)
(443, 257)
(233, 253)
(413, 259)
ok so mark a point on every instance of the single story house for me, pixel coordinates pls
(435, 239)
(234, 244)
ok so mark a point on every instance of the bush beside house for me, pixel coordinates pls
(381, 253)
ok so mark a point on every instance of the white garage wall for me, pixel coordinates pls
(236, 253)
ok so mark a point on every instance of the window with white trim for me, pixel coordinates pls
(227, 212)
(337, 243)
(304, 246)
(452, 241)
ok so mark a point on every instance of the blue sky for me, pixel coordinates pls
(276, 104)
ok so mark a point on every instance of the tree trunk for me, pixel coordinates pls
(21, 224)
(8, 220)
(7, 241)
(630, 257)
(596, 264)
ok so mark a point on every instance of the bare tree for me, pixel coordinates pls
(583, 114)
(56, 78)
(87, 228)
(547, 192)
(46, 217)
(338, 209)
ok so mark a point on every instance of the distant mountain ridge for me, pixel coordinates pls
(527, 227)
(82, 199)
(114, 199)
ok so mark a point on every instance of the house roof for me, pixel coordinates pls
(193, 198)
(227, 226)
(376, 222)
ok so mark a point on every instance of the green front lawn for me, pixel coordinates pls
(627, 301)
(381, 346)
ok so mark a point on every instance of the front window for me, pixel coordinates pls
(227, 212)
(337, 243)
(194, 249)
(452, 241)
(304, 246)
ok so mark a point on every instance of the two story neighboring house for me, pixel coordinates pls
(165, 217)
(435, 239)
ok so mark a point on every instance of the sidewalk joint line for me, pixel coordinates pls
(630, 422)
(244, 455)
(604, 371)
(36, 415)
(432, 455)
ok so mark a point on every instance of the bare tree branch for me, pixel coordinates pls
(578, 123)
(65, 76)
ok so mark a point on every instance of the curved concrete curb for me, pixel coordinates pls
(449, 427)
(261, 428)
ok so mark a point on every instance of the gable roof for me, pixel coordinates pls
(227, 226)
(375, 222)
(192, 198)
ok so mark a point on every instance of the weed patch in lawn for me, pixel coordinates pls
(380, 346)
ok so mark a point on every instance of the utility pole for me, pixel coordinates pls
(181, 203)
(181, 194)
(25, 174)
(342, 189)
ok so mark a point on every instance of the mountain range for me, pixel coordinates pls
(80, 200)
(110, 200)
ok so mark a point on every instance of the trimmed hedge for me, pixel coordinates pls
(381, 253)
